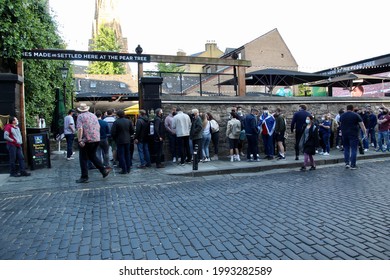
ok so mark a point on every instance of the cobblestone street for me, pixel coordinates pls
(330, 213)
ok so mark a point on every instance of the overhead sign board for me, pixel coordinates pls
(83, 55)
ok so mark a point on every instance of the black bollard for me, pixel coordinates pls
(195, 158)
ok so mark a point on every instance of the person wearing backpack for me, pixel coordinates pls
(233, 131)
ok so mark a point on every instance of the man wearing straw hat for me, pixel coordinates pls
(88, 133)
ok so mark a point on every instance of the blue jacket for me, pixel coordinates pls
(299, 120)
(250, 124)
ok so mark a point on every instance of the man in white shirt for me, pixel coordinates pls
(182, 124)
(69, 131)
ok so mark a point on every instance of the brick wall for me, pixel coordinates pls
(220, 108)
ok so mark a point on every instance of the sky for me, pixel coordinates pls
(319, 34)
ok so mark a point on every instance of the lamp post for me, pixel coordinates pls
(139, 50)
(64, 74)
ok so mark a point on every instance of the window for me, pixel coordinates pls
(92, 84)
(122, 85)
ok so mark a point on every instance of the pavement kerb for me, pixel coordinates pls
(222, 167)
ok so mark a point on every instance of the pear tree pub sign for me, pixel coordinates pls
(84, 55)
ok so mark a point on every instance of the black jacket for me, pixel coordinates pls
(309, 146)
(159, 129)
(122, 130)
(142, 129)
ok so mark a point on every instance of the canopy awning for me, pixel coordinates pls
(350, 80)
(271, 78)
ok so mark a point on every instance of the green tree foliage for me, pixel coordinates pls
(106, 40)
(169, 67)
(25, 25)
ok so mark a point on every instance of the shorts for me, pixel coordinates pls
(279, 137)
(233, 143)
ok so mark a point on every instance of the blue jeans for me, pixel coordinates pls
(143, 152)
(365, 140)
(172, 144)
(371, 135)
(326, 140)
(350, 144)
(69, 144)
(102, 152)
(16, 153)
(124, 158)
(268, 144)
(205, 145)
(252, 146)
(383, 135)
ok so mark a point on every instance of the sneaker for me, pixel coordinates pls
(325, 154)
(353, 167)
(257, 160)
(372, 145)
(69, 158)
(281, 157)
(174, 160)
(231, 158)
(337, 147)
(303, 168)
(296, 158)
(366, 150)
(208, 159)
(347, 166)
(182, 164)
(312, 168)
(215, 157)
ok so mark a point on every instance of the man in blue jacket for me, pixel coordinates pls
(252, 134)
(297, 124)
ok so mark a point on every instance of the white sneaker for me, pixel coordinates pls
(326, 154)
(238, 158)
(207, 159)
(174, 160)
(372, 145)
(366, 150)
(337, 147)
(69, 158)
(321, 153)
(231, 158)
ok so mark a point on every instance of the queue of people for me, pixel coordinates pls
(104, 136)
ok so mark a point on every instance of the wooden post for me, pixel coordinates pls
(241, 81)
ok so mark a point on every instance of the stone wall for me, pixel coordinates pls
(220, 108)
